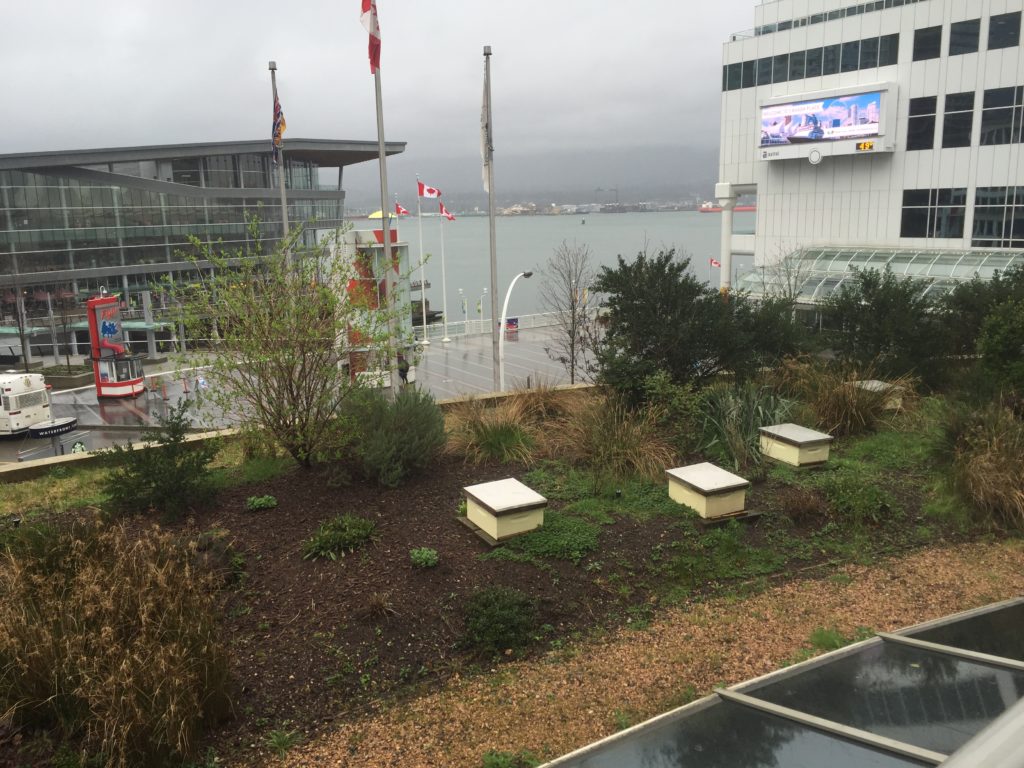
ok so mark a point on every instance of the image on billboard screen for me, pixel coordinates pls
(831, 119)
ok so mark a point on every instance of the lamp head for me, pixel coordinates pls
(527, 274)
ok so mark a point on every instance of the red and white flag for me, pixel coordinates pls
(715, 263)
(444, 212)
(400, 210)
(424, 191)
(368, 18)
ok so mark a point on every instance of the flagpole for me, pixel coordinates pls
(392, 282)
(489, 166)
(272, 66)
(444, 287)
(423, 267)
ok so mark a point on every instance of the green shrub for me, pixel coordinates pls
(397, 439)
(499, 618)
(855, 494)
(337, 537)
(112, 639)
(732, 416)
(680, 405)
(562, 537)
(423, 557)
(169, 475)
(256, 503)
(1001, 344)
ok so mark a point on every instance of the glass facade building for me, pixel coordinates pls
(71, 222)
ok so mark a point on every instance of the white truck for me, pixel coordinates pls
(24, 400)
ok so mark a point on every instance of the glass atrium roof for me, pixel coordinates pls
(814, 273)
(936, 693)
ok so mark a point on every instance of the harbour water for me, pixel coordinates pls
(527, 242)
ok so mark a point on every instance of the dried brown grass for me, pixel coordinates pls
(615, 441)
(988, 463)
(112, 638)
(832, 400)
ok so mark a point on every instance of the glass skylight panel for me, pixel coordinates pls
(728, 735)
(998, 633)
(931, 700)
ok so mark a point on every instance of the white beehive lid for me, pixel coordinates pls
(505, 495)
(706, 478)
(794, 434)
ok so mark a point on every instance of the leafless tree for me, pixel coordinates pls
(566, 292)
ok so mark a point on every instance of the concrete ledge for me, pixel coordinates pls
(29, 470)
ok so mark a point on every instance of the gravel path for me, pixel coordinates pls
(579, 694)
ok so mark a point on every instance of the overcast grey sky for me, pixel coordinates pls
(569, 77)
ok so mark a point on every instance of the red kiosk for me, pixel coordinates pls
(117, 372)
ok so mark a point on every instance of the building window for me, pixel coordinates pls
(813, 66)
(927, 43)
(888, 50)
(957, 122)
(830, 60)
(1002, 116)
(796, 65)
(850, 57)
(1004, 30)
(934, 213)
(921, 123)
(749, 73)
(963, 37)
(734, 76)
(869, 53)
(780, 68)
(998, 218)
(764, 71)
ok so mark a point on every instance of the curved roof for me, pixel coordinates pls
(327, 153)
(814, 273)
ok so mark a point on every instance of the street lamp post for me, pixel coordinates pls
(501, 331)
(480, 309)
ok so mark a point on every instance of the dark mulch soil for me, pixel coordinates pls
(314, 639)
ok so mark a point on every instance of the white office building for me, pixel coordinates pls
(876, 133)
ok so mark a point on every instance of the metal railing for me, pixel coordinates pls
(479, 327)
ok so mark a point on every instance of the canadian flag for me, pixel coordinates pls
(715, 263)
(444, 212)
(368, 18)
(425, 191)
(400, 210)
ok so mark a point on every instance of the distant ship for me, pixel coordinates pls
(709, 207)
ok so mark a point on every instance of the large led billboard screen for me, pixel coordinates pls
(835, 118)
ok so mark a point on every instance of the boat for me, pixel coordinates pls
(709, 207)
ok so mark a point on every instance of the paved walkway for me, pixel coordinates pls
(461, 367)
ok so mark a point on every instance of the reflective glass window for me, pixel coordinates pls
(1004, 30)
(830, 60)
(813, 66)
(869, 53)
(850, 56)
(927, 43)
(963, 36)
(796, 65)
(921, 123)
(749, 73)
(888, 50)
(764, 71)
(957, 122)
(780, 68)
(734, 76)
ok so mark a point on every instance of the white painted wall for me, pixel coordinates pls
(857, 199)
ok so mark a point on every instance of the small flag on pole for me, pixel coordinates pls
(400, 210)
(715, 263)
(444, 212)
(424, 191)
(277, 131)
(368, 18)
